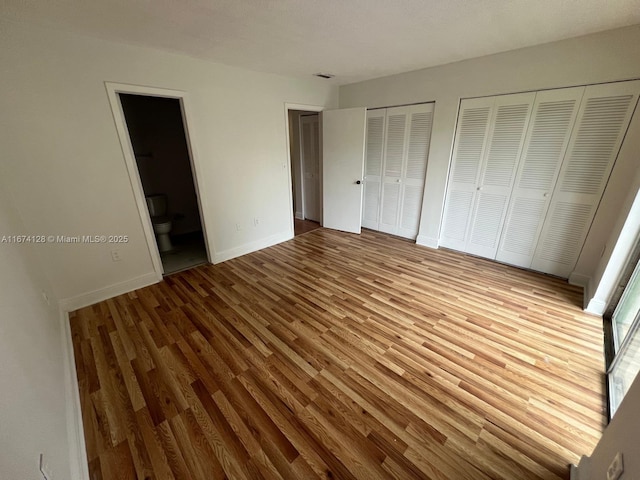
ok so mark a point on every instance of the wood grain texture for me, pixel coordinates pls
(341, 356)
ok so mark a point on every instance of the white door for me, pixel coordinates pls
(554, 114)
(468, 152)
(373, 168)
(415, 169)
(508, 127)
(395, 148)
(602, 122)
(343, 139)
(310, 142)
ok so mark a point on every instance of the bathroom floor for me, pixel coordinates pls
(188, 251)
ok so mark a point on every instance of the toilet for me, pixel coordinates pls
(157, 205)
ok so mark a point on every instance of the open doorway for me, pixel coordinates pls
(157, 135)
(304, 145)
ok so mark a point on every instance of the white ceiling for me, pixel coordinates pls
(353, 39)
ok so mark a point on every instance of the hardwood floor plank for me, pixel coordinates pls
(341, 356)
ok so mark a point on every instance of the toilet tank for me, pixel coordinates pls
(157, 205)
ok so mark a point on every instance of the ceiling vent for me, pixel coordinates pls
(323, 75)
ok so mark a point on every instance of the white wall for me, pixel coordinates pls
(32, 382)
(65, 166)
(618, 222)
(621, 435)
(603, 57)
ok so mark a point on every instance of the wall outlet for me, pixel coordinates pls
(115, 255)
(616, 467)
(46, 297)
(256, 221)
(45, 470)
(238, 227)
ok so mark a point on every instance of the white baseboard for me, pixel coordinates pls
(596, 307)
(427, 241)
(85, 299)
(299, 215)
(78, 463)
(252, 247)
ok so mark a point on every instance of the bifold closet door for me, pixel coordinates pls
(507, 129)
(553, 117)
(395, 147)
(398, 141)
(603, 119)
(415, 169)
(487, 150)
(373, 168)
(468, 152)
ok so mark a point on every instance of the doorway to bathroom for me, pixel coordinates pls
(159, 142)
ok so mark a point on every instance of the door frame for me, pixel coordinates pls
(113, 90)
(308, 108)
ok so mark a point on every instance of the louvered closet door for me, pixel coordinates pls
(395, 146)
(373, 168)
(415, 169)
(508, 127)
(602, 121)
(553, 118)
(468, 152)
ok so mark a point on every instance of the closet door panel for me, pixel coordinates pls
(373, 168)
(413, 178)
(506, 138)
(394, 155)
(602, 122)
(550, 128)
(469, 147)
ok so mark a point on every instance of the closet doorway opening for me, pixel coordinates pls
(155, 138)
(306, 169)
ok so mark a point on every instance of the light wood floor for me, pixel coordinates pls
(341, 356)
(304, 226)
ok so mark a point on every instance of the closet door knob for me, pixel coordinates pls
(358, 182)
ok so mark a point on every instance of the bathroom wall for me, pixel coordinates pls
(158, 139)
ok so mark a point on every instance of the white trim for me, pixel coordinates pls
(113, 89)
(253, 246)
(596, 307)
(299, 215)
(78, 463)
(287, 107)
(85, 299)
(427, 241)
